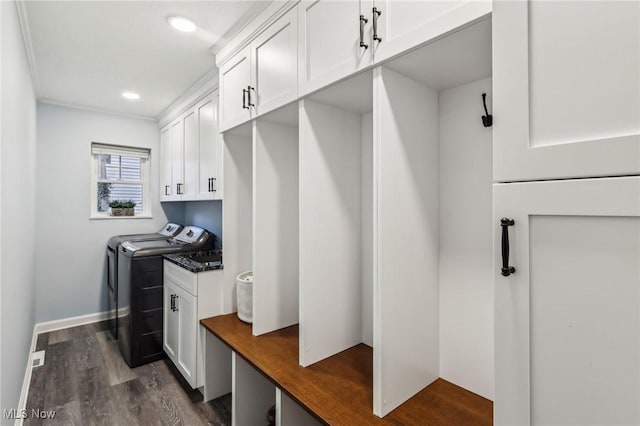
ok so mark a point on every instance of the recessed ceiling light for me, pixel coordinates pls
(131, 96)
(182, 24)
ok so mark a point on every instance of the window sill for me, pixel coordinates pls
(109, 217)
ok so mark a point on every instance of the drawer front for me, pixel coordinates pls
(181, 277)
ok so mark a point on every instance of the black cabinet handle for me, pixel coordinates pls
(178, 186)
(214, 181)
(376, 13)
(244, 101)
(166, 189)
(175, 305)
(209, 183)
(363, 21)
(173, 302)
(249, 88)
(505, 224)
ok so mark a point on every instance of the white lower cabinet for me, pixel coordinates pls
(189, 297)
(567, 316)
(181, 329)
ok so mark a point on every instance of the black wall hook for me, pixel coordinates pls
(487, 120)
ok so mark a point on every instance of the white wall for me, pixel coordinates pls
(466, 252)
(205, 214)
(17, 208)
(71, 249)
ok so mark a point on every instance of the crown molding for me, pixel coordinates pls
(92, 109)
(271, 13)
(202, 87)
(28, 45)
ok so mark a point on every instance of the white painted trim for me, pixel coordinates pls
(194, 94)
(253, 29)
(45, 327)
(24, 393)
(91, 109)
(28, 44)
(241, 27)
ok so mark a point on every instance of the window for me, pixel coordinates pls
(122, 174)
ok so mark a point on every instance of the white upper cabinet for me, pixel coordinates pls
(567, 316)
(209, 141)
(235, 83)
(334, 41)
(177, 158)
(191, 153)
(274, 59)
(566, 91)
(399, 25)
(166, 190)
(262, 76)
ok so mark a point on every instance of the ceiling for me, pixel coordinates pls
(86, 53)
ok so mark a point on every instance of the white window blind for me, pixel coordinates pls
(119, 175)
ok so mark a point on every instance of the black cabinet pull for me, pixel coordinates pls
(505, 224)
(175, 305)
(173, 302)
(249, 88)
(244, 101)
(178, 186)
(166, 189)
(209, 183)
(214, 181)
(363, 21)
(376, 13)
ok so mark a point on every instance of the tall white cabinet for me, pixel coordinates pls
(567, 284)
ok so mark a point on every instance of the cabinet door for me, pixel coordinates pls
(166, 189)
(403, 24)
(177, 155)
(567, 321)
(235, 79)
(187, 329)
(191, 162)
(170, 322)
(566, 89)
(209, 140)
(275, 64)
(329, 41)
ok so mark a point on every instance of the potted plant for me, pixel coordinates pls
(128, 207)
(116, 208)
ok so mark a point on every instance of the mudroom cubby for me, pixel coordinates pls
(275, 220)
(336, 219)
(365, 211)
(237, 213)
(432, 214)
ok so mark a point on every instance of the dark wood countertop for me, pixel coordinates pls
(339, 389)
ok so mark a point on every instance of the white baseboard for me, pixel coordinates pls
(45, 327)
(22, 403)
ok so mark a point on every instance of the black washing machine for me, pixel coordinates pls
(113, 245)
(140, 292)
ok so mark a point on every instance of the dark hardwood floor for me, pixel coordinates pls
(86, 382)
